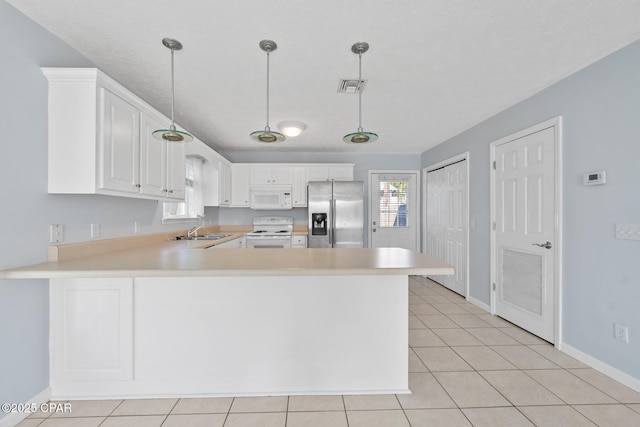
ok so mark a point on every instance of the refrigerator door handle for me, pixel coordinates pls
(333, 223)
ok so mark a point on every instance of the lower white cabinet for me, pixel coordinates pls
(235, 243)
(299, 241)
(91, 330)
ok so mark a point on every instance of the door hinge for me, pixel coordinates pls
(494, 164)
(494, 287)
(494, 225)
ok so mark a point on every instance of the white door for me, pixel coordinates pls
(525, 232)
(447, 223)
(393, 210)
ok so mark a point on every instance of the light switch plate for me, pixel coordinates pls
(628, 231)
(95, 230)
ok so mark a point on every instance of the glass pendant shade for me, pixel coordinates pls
(172, 134)
(360, 137)
(267, 135)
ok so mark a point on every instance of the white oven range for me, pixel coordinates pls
(271, 232)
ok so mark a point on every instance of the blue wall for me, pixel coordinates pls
(27, 209)
(600, 106)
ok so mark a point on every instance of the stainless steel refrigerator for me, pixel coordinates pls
(336, 214)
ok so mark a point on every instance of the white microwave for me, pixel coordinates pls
(270, 197)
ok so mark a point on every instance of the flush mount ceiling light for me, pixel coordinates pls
(360, 136)
(172, 134)
(267, 135)
(292, 128)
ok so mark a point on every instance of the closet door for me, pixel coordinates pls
(447, 222)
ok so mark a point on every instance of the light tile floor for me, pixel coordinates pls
(467, 368)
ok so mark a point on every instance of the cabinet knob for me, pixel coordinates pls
(170, 191)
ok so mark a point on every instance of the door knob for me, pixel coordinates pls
(546, 245)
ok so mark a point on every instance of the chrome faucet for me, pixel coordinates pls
(193, 232)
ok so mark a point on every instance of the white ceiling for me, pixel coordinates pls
(435, 67)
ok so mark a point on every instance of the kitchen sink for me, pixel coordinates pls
(211, 237)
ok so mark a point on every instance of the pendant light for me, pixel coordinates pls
(267, 135)
(172, 134)
(360, 136)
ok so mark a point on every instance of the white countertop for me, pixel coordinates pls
(188, 259)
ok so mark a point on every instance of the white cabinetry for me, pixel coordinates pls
(100, 142)
(224, 183)
(239, 185)
(91, 330)
(299, 241)
(265, 174)
(332, 172)
(161, 163)
(299, 187)
(235, 243)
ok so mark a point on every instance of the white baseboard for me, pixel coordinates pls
(14, 418)
(479, 303)
(598, 365)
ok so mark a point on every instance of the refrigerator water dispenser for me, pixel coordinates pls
(319, 224)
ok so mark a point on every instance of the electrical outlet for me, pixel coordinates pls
(56, 233)
(628, 231)
(136, 227)
(621, 332)
(95, 230)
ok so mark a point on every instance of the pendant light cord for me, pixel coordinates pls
(360, 92)
(172, 91)
(267, 126)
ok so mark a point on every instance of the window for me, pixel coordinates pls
(393, 203)
(193, 205)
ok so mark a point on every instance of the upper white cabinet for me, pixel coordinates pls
(331, 172)
(239, 185)
(100, 140)
(269, 174)
(224, 183)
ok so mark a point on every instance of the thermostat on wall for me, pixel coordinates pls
(595, 178)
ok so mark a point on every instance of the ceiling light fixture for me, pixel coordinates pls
(172, 134)
(267, 135)
(292, 128)
(360, 136)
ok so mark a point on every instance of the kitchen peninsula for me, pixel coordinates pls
(174, 319)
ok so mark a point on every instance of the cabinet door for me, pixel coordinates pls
(266, 174)
(91, 329)
(299, 241)
(119, 134)
(282, 175)
(317, 173)
(341, 173)
(259, 175)
(240, 186)
(175, 170)
(224, 183)
(152, 157)
(299, 187)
